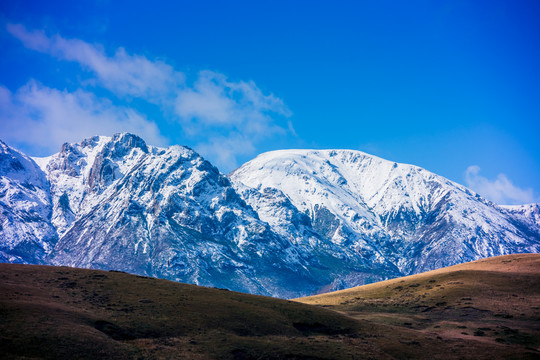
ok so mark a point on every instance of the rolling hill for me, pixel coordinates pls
(49, 312)
(494, 302)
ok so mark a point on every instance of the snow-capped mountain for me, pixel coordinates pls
(391, 213)
(288, 223)
(26, 233)
(116, 203)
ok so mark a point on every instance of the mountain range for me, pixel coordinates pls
(287, 224)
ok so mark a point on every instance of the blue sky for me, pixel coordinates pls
(451, 86)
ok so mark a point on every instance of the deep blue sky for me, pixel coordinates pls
(445, 85)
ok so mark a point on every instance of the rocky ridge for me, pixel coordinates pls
(387, 212)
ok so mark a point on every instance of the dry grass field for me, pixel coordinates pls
(483, 310)
(493, 302)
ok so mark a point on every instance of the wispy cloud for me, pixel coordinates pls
(215, 100)
(235, 116)
(225, 150)
(44, 118)
(124, 74)
(500, 190)
(224, 119)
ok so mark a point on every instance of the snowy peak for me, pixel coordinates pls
(16, 165)
(81, 172)
(405, 215)
(368, 177)
(25, 230)
(117, 203)
(345, 178)
(123, 143)
(356, 187)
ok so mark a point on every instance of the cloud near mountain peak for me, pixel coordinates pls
(212, 111)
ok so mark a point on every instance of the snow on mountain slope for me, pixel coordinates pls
(526, 216)
(288, 223)
(120, 204)
(336, 264)
(25, 230)
(67, 172)
(407, 216)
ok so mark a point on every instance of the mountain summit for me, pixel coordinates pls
(165, 212)
(387, 212)
(288, 223)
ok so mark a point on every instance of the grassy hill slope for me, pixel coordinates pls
(492, 302)
(64, 313)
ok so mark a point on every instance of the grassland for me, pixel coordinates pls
(492, 303)
(482, 310)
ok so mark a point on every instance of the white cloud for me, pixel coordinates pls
(500, 190)
(124, 74)
(224, 151)
(213, 101)
(224, 119)
(44, 118)
(233, 116)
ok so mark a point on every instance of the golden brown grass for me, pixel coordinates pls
(64, 313)
(492, 302)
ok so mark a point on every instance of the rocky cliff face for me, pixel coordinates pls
(286, 224)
